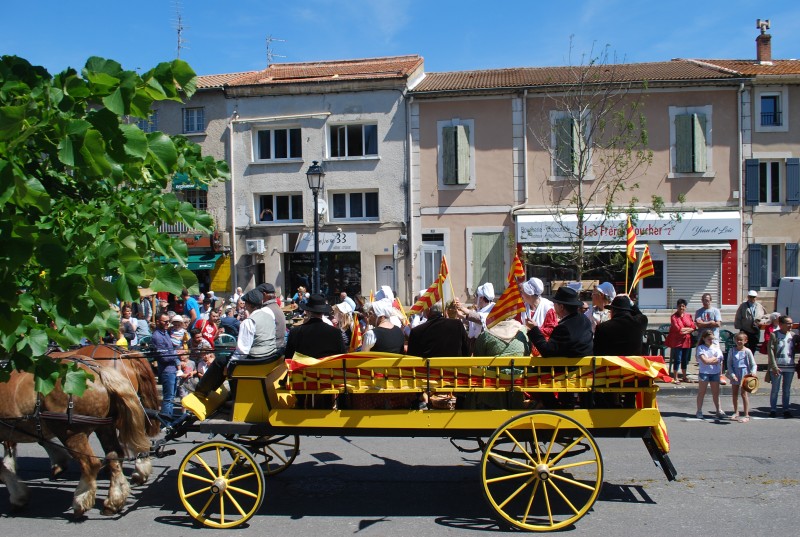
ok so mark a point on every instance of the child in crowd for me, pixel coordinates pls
(178, 333)
(203, 364)
(709, 359)
(187, 376)
(740, 363)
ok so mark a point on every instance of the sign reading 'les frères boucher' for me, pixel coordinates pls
(328, 242)
(707, 226)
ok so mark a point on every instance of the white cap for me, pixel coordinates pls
(177, 319)
(607, 288)
(382, 308)
(534, 286)
(384, 292)
(486, 291)
(344, 307)
(752, 293)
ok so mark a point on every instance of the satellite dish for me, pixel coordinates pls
(322, 207)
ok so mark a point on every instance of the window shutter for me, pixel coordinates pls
(793, 181)
(462, 154)
(755, 257)
(488, 260)
(699, 162)
(564, 149)
(683, 144)
(578, 146)
(449, 165)
(751, 181)
(791, 259)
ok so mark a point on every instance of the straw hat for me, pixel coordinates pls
(750, 383)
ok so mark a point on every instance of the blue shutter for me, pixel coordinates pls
(751, 181)
(791, 259)
(755, 257)
(793, 181)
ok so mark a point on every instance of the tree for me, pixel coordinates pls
(81, 198)
(595, 130)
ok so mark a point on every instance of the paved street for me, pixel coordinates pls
(732, 477)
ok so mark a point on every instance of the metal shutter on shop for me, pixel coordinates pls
(690, 274)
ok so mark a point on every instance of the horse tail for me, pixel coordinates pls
(130, 421)
(148, 390)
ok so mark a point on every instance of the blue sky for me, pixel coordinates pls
(223, 37)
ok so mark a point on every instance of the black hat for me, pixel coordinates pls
(316, 303)
(567, 296)
(253, 297)
(620, 303)
(266, 288)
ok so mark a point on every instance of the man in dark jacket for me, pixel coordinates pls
(572, 337)
(314, 337)
(438, 336)
(621, 335)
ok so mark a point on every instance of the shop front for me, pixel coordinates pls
(693, 255)
(339, 258)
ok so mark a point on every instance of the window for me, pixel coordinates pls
(569, 145)
(279, 208)
(456, 144)
(353, 140)
(764, 184)
(765, 264)
(690, 141)
(197, 198)
(150, 124)
(355, 206)
(771, 109)
(194, 120)
(274, 144)
(488, 260)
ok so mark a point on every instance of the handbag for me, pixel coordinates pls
(768, 377)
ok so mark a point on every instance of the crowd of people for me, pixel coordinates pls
(267, 327)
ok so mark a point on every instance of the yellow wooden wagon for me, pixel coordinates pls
(535, 420)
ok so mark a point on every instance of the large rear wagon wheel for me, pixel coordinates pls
(541, 471)
(220, 484)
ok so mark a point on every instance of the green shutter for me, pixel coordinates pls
(564, 153)
(578, 146)
(683, 144)
(488, 260)
(462, 154)
(455, 155)
(700, 159)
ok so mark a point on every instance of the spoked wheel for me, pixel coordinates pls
(541, 471)
(274, 453)
(220, 484)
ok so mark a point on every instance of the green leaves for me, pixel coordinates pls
(81, 199)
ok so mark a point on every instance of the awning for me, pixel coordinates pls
(202, 261)
(565, 248)
(181, 181)
(696, 246)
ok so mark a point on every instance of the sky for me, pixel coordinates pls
(227, 37)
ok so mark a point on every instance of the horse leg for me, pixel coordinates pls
(59, 458)
(118, 487)
(143, 468)
(17, 490)
(82, 452)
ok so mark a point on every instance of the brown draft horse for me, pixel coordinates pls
(109, 395)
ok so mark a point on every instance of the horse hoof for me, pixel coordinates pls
(137, 479)
(18, 508)
(108, 511)
(55, 472)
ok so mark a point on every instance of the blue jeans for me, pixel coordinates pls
(679, 359)
(168, 385)
(784, 379)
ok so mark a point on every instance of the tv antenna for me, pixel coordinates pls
(270, 54)
(179, 28)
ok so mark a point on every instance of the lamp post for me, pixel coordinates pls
(316, 176)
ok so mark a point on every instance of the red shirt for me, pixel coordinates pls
(208, 330)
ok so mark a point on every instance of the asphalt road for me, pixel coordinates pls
(733, 477)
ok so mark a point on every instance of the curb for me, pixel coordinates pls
(692, 387)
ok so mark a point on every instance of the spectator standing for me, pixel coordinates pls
(208, 327)
(709, 360)
(229, 323)
(190, 308)
(168, 363)
(679, 340)
(710, 318)
(773, 325)
(740, 363)
(350, 302)
(747, 319)
(781, 365)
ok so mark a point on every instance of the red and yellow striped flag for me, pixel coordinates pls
(430, 297)
(371, 296)
(510, 302)
(630, 242)
(399, 307)
(645, 268)
(444, 271)
(356, 339)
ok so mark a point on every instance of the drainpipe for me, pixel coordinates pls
(740, 253)
(232, 206)
(524, 162)
(410, 234)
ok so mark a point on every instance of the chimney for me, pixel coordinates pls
(763, 43)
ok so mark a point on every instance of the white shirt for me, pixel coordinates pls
(475, 329)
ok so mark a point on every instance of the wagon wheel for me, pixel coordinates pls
(220, 484)
(550, 479)
(278, 451)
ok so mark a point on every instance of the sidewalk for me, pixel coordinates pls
(691, 387)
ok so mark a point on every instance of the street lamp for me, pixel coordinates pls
(316, 176)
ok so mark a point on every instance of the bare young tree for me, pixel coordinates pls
(593, 126)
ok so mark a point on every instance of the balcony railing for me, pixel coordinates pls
(173, 229)
(770, 119)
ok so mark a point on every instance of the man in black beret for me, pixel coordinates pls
(572, 337)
